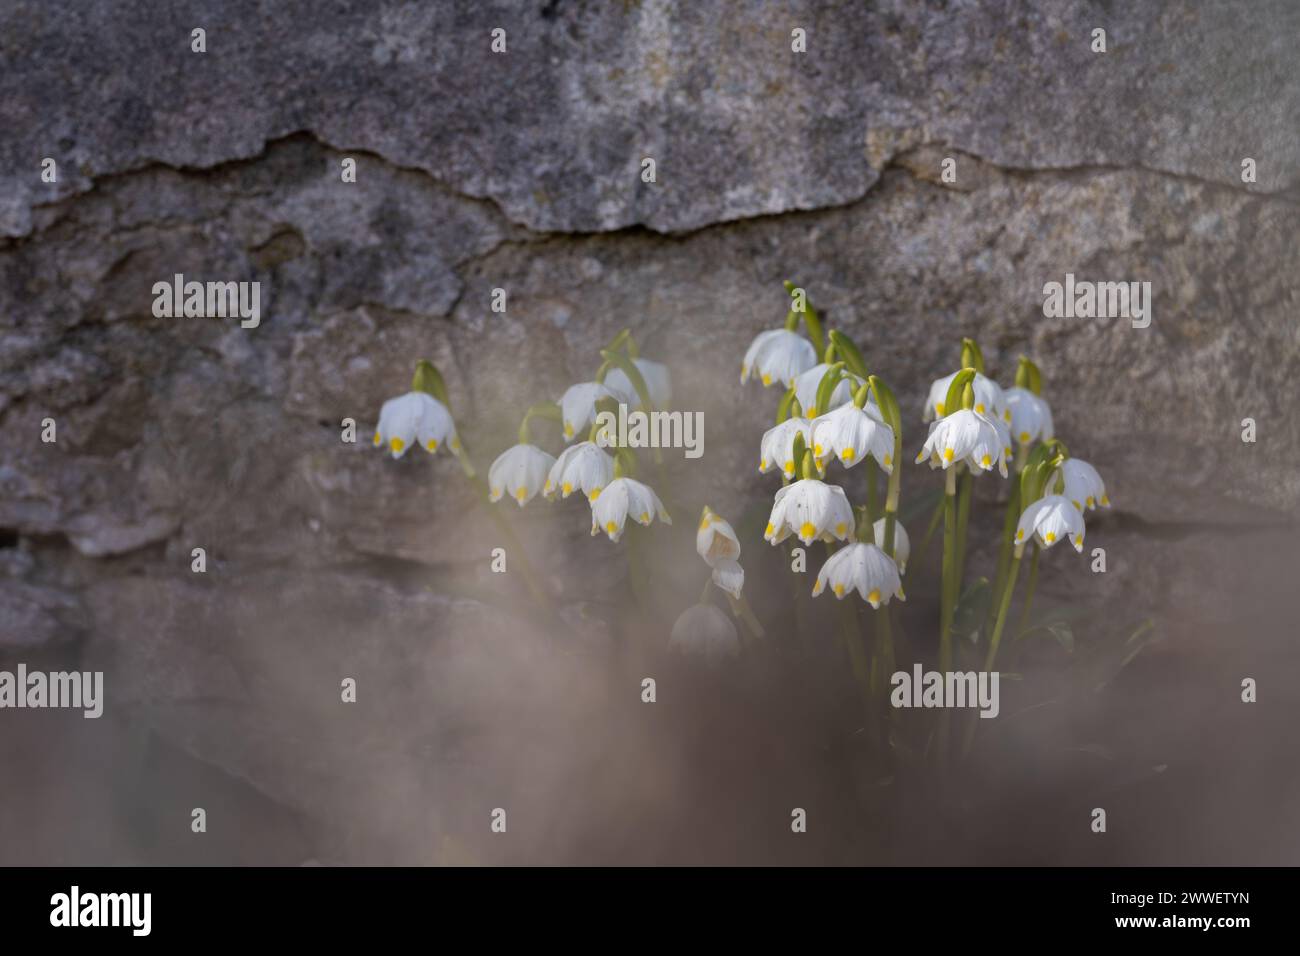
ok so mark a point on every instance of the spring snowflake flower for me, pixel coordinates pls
(729, 576)
(1031, 416)
(777, 357)
(966, 436)
(989, 398)
(1049, 520)
(776, 450)
(578, 405)
(810, 509)
(864, 567)
(519, 471)
(902, 544)
(584, 465)
(704, 631)
(716, 540)
(805, 389)
(658, 383)
(411, 417)
(621, 499)
(849, 434)
(1083, 486)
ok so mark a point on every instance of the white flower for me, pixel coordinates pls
(704, 631)
(519, 471)
(411, 417)
(849, 434)
(776, 450)
(902, 544)
(1083, 486)
(1050, 519)
(578, 405)
(1031, 417)
(777, 356)
(716, 540)
(730, 576)
(657, 382)
(584, 465)
(621, 499)
(966, 436)
(810, 509)
(989, 399)
(805, 389)
(861, 566)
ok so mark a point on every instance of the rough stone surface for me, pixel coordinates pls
(521, 171)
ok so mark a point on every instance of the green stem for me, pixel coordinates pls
(948, 594)
(1029, 591)
(919, 557)
(872, 512)
(1003, 603)
(964, 486)
(516, 546)
(1004, 549)
(740, 607)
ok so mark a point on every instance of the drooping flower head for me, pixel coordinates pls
(902, 544)
(777, 357)
(810, 510)
(716, 540)
(863, 567)
(1049, 520)
(584, 465)
(1082, 485)
(625, 498)
(1031, 416)
(967, 436)
(850, 434)
(578, 405)
(776, 450)
(519, 472)
(704, 631)
(415, 416)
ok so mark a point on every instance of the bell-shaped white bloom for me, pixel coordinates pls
(806, 385)
(864, 567)
(902, 544)
(966, 436)
(989, 399)
(519, 472)
(776, 450)
(658, 383)
(715, 539)
(1083, 486)
(578, 405)
(1050, 519)
(730, 576)
(777, 357)
(1031, 416)
(584, 465)
(849, 434)
(810, 509)
(415, 416)
(625, 498)
(706, 632)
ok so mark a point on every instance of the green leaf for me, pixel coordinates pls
(429, 380)
(848, 351)
(952, 401)
(619, 360)
(825, 388)
(972, 610)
